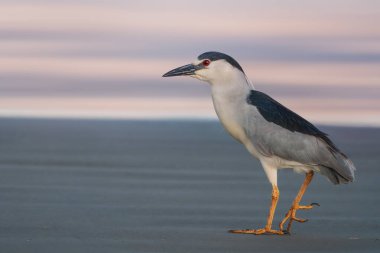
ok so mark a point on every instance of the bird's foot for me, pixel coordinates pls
(291, 216)
(261, 231)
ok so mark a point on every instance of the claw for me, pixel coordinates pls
(315, 204)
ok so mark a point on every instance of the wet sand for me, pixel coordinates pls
(169, 186)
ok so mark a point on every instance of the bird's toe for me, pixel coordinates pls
(261, 231)
(299, 219)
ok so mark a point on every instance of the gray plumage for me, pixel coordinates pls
(280, 128)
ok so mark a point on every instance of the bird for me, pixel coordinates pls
(275, 135)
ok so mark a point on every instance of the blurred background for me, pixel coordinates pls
(105, 59)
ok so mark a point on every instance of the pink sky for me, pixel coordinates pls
(105, 59)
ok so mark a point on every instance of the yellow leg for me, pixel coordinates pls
(268, 228)
(291, 214)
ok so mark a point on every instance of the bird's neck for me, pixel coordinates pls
(229, 98)
(235, 86)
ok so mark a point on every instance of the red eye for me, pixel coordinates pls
(206, 63)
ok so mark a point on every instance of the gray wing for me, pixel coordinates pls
(276, 130)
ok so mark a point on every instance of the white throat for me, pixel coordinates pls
(235, 84)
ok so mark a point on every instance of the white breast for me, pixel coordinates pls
(229, 106)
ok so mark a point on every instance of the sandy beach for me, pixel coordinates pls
(169, 186)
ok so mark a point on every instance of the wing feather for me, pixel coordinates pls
(283, 133)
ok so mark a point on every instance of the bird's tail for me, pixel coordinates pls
(342, 171)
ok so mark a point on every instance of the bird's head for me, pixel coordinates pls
(212, 67)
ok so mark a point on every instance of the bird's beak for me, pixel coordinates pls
(186, 70)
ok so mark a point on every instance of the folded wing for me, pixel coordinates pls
(283, 133)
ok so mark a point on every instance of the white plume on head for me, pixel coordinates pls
(249, 82)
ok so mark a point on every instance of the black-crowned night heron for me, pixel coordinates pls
(272, 133)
